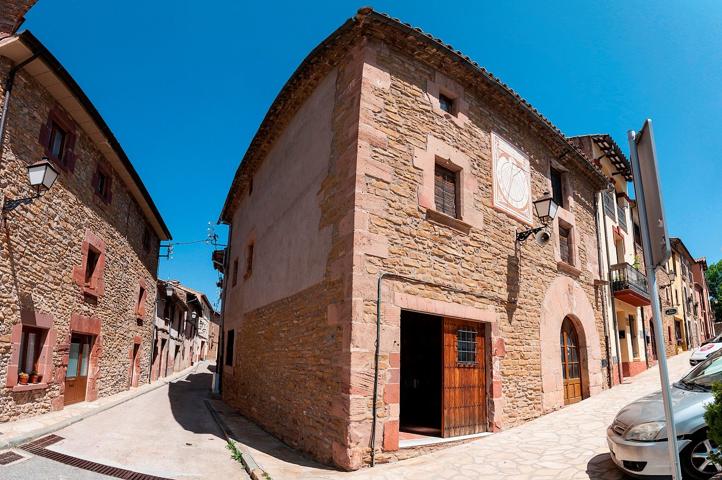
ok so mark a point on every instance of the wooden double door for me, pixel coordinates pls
(571, 363)
(464, 378)
(76, 375)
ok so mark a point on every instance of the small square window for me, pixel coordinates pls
(101, 186)
(466, 346)
(446, 103)
(91, 264)
(445, 191)
(140, 305)
(58, 140)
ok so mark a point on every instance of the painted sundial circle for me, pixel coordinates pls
(512, 182)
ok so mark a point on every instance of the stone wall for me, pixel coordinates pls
(470, 268)
(41, 252)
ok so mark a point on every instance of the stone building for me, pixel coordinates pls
(622, 260)
(77, 263)
(378, 206)
(182, 328)
(702, 307)
(686, 323)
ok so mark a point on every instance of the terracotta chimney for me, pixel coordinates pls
(12, 15)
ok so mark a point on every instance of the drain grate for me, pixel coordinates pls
(38, 448)
(9, 457)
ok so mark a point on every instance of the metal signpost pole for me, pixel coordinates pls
(650, 265)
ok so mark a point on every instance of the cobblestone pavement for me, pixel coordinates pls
(567, 444)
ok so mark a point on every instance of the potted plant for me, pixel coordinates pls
(23, 378)
(34, 377)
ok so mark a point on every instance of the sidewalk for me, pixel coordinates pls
(567, 444)
(18, 432)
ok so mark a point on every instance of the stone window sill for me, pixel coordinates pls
(90, 292)
(29, 387)
(571, 269)
(442, 219)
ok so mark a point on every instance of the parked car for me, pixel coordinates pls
(638, 438)
(710, 346)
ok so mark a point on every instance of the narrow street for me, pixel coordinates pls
(567, 444)
(166, 433)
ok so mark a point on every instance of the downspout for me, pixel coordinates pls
(611, 297)
(10, 81)
(608, 351)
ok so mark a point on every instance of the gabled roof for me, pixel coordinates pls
(679, 245)
(187, 290)
(332, 50)
(49, 72)
(611, 150)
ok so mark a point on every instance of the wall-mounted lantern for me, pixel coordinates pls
(41, 176)
(546, 209)
(169, 290)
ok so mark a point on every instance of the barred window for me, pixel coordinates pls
(565, 244)
(445, 194)
(466, 346)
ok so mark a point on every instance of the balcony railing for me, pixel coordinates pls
(629, 285)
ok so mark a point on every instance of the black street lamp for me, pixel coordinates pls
(42, 176)
(546, 209)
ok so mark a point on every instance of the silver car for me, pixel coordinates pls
(638, 439)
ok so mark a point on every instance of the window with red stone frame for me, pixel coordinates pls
(89, 275)
(102, 183)
(58, 137)
(140, 300)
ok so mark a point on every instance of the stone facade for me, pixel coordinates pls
(45, 248)
(342, 173)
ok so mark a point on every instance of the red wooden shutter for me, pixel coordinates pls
(445, 191)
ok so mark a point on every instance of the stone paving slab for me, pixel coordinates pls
(566, 444)
(21, 431)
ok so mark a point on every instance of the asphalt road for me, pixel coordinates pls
(167, 432)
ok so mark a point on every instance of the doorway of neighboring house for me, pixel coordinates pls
(421, 347)
(652, 340)
(163, 357)
(571, 364)
(76, 375)
(134, 372)
(443, 376)
(203, 350)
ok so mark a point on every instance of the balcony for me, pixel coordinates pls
(629, 285)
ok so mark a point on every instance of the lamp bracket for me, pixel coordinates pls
(521, 236)
(10, 205)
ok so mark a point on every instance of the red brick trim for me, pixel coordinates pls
(59, 117)
(141, 300)
(43, 321)
(96, 286)
(85, 325)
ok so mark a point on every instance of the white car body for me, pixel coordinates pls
(705, 350)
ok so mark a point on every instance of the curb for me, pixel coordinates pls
(33, 434)
(249, 463)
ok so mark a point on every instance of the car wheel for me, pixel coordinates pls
(696, 464)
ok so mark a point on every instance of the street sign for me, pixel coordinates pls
(655, 245)
(648, 181)
(671, 311)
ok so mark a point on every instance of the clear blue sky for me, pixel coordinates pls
(185, 84)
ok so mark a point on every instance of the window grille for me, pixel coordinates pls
(466, 346)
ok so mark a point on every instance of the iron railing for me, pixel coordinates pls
(626, 277)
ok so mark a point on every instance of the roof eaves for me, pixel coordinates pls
(54, 64)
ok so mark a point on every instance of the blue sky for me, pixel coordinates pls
(185, 84)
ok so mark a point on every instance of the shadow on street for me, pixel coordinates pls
(187, 405)
(601, 467)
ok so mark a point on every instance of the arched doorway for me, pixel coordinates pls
(571, 362)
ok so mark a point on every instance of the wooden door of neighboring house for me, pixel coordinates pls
(571, 366)
(76, 375)
(464, 379)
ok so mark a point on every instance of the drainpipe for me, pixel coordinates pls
(608, 351)
(611, 296)
(9, 82)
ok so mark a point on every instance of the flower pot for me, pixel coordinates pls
(34, 379)
(23, 379)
